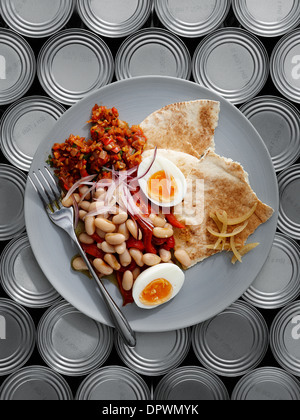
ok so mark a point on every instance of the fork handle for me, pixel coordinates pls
(120, 321)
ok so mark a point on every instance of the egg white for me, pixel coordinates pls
(162, 164)
(170, 272)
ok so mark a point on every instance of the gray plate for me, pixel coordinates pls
(211, 286)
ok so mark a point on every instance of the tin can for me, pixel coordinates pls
(73, 63)
(267, 384)
(17, 66)
(12, 221)
(113, 383)
(153, 51)
(192, 19)
(36, 19)
(289, 208)
(155, 353)
(24, 125)
(70, 342)
(278, 123)
(120, 19)
(267, 18)
(278, 283)
(35, 383)
(21, 277)
(285, 66)
(17, 336)
(232, 343)
(285, 338)
(190, 383)
(233, 63)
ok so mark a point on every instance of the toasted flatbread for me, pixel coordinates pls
(187, 127)
(225, 186)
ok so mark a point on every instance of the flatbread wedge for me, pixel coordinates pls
(187, 127)
(225, 187)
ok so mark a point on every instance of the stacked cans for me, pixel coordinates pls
(52, 54)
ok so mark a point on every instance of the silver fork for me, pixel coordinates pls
(50, 194)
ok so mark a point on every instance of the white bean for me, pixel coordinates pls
(120, 249)
(151, 259)
(105, 225)
(163, 233)
(182, 256)
(120, 218)
(84, 205)
(157, 220)
(114, 238)
(82, 214)
(83, 189)
(136, 272)
(77, 197)
(100, 233)
(102, 267)
(127, 281)
(132, 227)
(125, 258)
(124, 230)
(111, 260)
(165, 255)
(137, 255)
(67, 202)
(100, 192)
(89, 223)
(79, 264)
(86, 239)
(107, 248)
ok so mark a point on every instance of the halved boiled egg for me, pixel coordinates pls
(157, 285)
(164, 183)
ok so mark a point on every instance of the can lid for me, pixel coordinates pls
(70, 342)
(155, 353)
(192, 19)
(268, 18)
(113, 383)
(12, 221)
(289, 208)
(278, 283)
(18, 66)
(21, 277)
(285, 66)
(17, 336)
(36, 19)
(233, 63)
(73, 63)
(267, 383)
(131, 16)
(35, 383)
(232, 343)
(24, 125)
(153, 51)
(285, 336)
(278, 123)
(190, 383)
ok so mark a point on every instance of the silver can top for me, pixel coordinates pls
(278, 283)
(285, 338)
(278, 123)
(285, 66)
(232, 343)
(21, 277)
(73, 63)
(113, 383)
(289, 208)
(233, 63)
(190, 18)
(12, 220)
(70, 342)
(267, 384)
(131, 15)
(36, 18)
(190, 383)
(35, 383)
(17, 336)
(155, 353)
(17, 66)
(267, 18)
(24, 125)
(153, 51)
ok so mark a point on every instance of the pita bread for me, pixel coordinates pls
(225, 187)
(187, 127)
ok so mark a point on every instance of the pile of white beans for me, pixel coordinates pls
(115, 228)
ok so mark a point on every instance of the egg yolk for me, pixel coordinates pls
(162, 188)
(157, 292)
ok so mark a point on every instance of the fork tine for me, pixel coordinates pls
(51, 193)
(53, 184)
(39, 188)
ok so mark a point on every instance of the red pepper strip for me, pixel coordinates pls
(127, 295)
(169, 244)
(97, 238)
(134, 243)
(107, 140)
(158, 241)
(173, 221)
(92, 250)
(147, 238)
